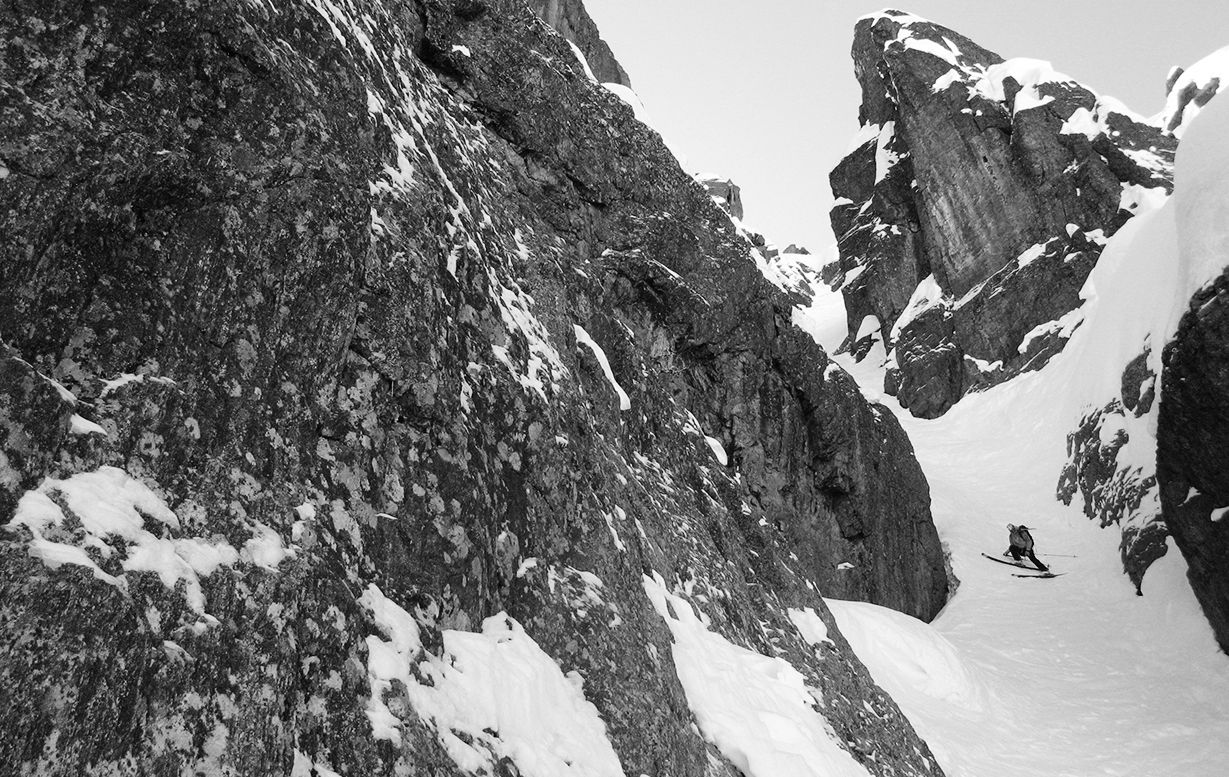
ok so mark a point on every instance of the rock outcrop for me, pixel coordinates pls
(570, 19)
(726, 192)
(1188, 90)
(1192, 427)
(352, 346)
(975, 205)
(1143, 458)
(1192, 449)
(1104, 468)
(1112, 455)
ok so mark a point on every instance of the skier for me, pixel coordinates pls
(1022, 545)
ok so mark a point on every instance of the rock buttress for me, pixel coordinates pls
(1192, 455)
(975, 204)
(356, 309)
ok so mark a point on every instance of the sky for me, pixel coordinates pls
(763, 92)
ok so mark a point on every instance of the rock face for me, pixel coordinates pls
(336, 332)
(1149, 458)
(1192, 455)
(975, 205)
(1192, 427)
(1102, 468)
(572, 21)
(727, 192)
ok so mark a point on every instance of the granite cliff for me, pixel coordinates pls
(359, 353)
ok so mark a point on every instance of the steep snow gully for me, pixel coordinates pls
(1073, 676)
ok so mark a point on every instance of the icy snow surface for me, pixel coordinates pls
(1073, 676)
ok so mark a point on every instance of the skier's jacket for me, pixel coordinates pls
(1020, 538)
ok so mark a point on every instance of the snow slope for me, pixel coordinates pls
(1073, 676)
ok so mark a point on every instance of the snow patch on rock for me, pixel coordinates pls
(112, 509)
(885, 158)
(1200, 81)
(810, 625)
(83, 426)
(583, 338)
(1063, 326)
(584, 62)
(757, 710)
(490, 695)
(926, 295)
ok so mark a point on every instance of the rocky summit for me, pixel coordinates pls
(378, 396)
(976, 201)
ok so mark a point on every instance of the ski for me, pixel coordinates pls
(1036, 572)
(1021, 565)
